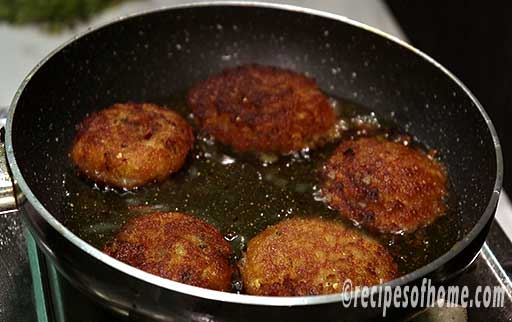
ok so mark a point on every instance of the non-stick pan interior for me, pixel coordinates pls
(161, 54)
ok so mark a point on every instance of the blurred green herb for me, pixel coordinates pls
(53, 14)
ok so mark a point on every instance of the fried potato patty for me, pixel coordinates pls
(299, 257)
(385, 186)
(262, 109)
(176, 246)
(129, 145)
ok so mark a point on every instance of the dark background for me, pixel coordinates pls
(473, 39)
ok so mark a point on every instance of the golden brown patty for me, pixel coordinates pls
(176, 246)
(260, 108)
(299, 257)
(384, 185)
(129, 145)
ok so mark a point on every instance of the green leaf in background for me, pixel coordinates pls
(54, 14)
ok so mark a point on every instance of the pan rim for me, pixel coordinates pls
(243, 298)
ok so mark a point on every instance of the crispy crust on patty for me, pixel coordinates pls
(130, 145)
(300, 256)
(176, 246)
(385, 186)
(263, 109)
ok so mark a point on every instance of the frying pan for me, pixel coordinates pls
(150, 55)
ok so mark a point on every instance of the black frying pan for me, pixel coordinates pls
(155, 57)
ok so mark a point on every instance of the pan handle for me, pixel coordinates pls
(4, 110)
(7, 194)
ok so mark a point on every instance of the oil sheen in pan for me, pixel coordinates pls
(241, 194)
